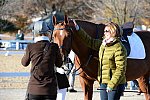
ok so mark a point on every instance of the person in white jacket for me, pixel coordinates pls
(62, 82)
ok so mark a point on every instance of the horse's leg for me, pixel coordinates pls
(87, 87)
(145, 86)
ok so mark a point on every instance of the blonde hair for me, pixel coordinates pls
(115, 29)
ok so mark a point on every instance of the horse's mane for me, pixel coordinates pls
(88, 22)
(142, 31)
(145, 37)
(91, 28)
(145, 34)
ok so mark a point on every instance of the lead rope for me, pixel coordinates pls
(83, 65)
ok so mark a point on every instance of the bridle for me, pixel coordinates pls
(66, 28)
(66, 58)
(70, 31)
(90, 56)
(68, 51)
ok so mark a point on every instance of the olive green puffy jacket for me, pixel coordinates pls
(112, 58)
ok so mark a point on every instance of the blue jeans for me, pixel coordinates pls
(134, 85)
(21, 45)
(113, 95)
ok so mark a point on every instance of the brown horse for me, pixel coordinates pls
(86, 60)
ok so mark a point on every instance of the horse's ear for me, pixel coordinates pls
(54, 20)
(66, 19)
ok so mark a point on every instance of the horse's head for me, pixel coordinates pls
(62, 35)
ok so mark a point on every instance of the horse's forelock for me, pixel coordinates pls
(66, 21)
(54, 20)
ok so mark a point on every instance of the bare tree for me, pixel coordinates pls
(119, 11)
(113, 10)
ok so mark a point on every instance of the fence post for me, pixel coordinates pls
(17, 45)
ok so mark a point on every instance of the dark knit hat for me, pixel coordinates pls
(128, 25)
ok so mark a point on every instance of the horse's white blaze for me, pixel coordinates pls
(61, 32)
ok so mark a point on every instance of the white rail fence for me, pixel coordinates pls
(8, 44)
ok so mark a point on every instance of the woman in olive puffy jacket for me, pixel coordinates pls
(112, 60)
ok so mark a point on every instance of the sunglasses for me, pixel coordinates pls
(106, 31)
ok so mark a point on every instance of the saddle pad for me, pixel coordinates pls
(137, 47)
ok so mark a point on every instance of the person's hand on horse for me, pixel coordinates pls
(76, 25)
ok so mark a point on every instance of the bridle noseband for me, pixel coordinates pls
(66, 28)
(70, 31)
(66, 58)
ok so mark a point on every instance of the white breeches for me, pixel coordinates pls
(61, 93)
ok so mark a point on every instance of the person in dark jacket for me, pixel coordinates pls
(63, 83)
(128, 31)
(43, 56)
(20, 36)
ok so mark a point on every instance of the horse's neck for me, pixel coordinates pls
(88, 27)
(80, 49)
(94, 30)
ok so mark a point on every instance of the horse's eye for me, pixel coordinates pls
(69, 35)
(62, 23)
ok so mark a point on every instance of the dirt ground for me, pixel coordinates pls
(14, 88)
(19, 94)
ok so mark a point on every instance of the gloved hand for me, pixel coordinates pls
(60, 70)
(76, 25)
(109, 89)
